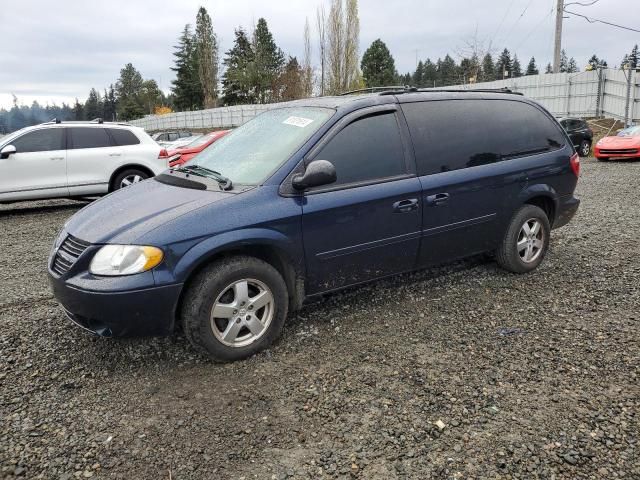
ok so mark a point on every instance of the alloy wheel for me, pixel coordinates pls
(242, 313)
(530, 240)
(130, 180)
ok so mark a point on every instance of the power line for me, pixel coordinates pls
(518, 19)
(582, 4)
(596, 20)
(534, 29)
(501, 23)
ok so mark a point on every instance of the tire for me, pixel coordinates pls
(517, 260)
(219, 287)
(128, 177)
(585, 148)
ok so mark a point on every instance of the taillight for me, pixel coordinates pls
(163, 153)
(575, 164)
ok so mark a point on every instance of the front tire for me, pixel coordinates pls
(526, 240)
(235, 308)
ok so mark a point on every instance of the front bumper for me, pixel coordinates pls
(567, 208)
(603, 153)
(140, 312)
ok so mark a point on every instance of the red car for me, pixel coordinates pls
(624, 145)
(185, 153)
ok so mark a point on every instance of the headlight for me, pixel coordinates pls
(114, 260)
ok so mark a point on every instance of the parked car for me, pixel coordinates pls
(312, 197)
(171, 136)
(74, 159)
(181, 142)
(580, 134)
(626, 144)
(185, 153)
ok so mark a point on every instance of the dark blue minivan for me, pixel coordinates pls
(310, 197)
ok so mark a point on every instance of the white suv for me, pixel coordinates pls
(75, 159)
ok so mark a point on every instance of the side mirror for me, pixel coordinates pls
(318, 172)
(6, 151)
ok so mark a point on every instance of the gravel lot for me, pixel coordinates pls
(460, 372)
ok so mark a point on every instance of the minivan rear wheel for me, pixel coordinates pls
(235, 308)
(526, 240)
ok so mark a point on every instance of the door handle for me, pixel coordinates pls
(437, 199)
(56, 158)
(405, 206)
(115, 154)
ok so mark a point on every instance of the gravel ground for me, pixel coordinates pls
(460, 372)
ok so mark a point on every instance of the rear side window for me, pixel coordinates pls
(43, 140)
(454, 134)
(367, 149)
(87, 137)
(123, 137)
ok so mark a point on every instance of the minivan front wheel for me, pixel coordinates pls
(526, 240)
(235, 308)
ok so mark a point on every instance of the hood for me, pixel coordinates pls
(127, 214)
(622, 142)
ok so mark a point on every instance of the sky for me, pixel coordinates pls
(55, 51)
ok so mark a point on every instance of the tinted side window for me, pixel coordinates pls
(86, 137)
(454, 134)
(123, 137)
(367, 149)
(43, 140)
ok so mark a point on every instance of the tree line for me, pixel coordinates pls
(256, 70)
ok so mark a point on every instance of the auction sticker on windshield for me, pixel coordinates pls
(298, 121)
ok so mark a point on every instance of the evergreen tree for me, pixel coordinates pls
(150, 96)
(548, 69)
(129, 90)
(379, 68)
(110, 105)
(634, 57)
(206, 47)
(448, 71)
(417, 79)
(572, 66)
(517, 69)
(78, 111)
(564, 62)
(594, 62)
(504, 65)
(488, 68)
(187, 89)
(93, 105)
(532, 68)
(269, 61)
(236, 83)
(429, 73)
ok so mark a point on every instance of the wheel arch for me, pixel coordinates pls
(128, 166)
(267, 248)
(544, 197)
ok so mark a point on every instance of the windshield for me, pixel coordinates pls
(630, 132)
(250, 153)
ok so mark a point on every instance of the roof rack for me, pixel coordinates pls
(97, 120)
(504, 90)
(76, 122)
(375, 89)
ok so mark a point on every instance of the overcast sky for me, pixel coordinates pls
(54, 51)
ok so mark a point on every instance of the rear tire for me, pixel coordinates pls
(585, 148)
(128, 177)
(235, 308)
(526, 240)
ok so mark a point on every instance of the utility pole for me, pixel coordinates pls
(558, 39)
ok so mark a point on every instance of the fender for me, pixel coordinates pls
(202, 252)
(539, 190)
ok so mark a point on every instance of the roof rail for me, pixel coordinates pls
(97, 120)
(53, 120)
(476, 90)
(375, 89)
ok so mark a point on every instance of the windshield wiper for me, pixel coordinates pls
(224, 182)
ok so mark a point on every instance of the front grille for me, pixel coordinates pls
(68, 252)
(619, 151)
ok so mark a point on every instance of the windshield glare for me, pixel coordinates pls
(249, 154)
(630, 132)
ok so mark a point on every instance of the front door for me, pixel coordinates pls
(366, 225)
(38, 169)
